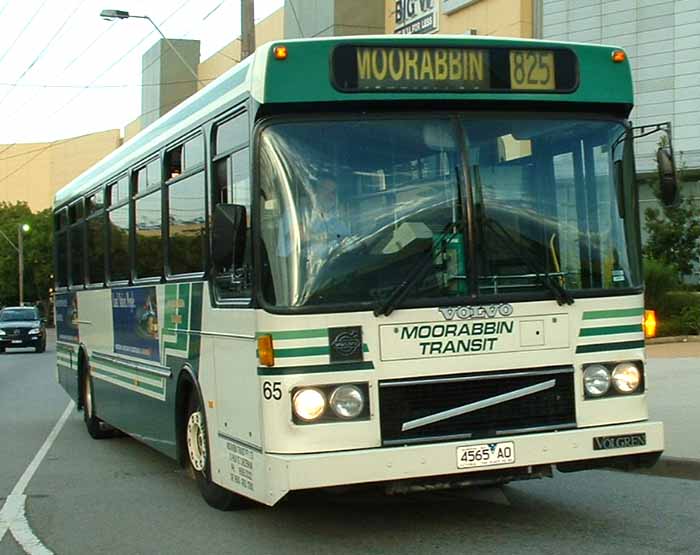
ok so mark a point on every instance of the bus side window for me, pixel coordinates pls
(77, 243)
(232, 186)
(60, 225)
(118, 225)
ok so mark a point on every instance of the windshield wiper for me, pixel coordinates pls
(420, 270)
(560, 293)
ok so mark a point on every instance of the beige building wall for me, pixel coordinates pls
(33, 172)
(269, 29)
(503, 18)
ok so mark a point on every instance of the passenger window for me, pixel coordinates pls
(149, 249)
(186, 231)
(96, 250)
(119, 243)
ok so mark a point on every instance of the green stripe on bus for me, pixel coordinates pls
(601, 347)
(126, 368)
(610, 330)
(296, 334)
(614, 313)
(309, 351)
(288, 370)
(130, 381)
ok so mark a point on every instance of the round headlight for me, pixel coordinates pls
(347, 401)
(309, 404)
(596, 380)
(626, 377)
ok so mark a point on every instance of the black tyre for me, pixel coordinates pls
(95, 427)
(198, 461)
(41, 347)
(2, 349)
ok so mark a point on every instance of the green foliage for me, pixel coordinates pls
(690, 318)
(659, 279)
(674, 237)
(38, 253)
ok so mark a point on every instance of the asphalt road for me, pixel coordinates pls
(117, 496)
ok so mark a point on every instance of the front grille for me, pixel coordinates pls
(402, 401)
(16, 333)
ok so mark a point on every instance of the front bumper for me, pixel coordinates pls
(424, 461)
(26, 341)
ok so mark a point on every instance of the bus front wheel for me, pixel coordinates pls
(199, 464)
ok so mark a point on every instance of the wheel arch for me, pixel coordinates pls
(187, 385)
(83, 359)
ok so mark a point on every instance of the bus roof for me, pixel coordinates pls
(312, 70)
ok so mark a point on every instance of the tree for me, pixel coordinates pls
(674, 232)
(674, 236)
(38, 254)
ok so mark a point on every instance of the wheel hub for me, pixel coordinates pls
(196, 442)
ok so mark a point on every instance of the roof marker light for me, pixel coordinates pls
(280, 52)
(619, 56)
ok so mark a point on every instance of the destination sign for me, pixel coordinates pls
(379, 68)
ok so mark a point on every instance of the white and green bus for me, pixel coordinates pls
(404, 261)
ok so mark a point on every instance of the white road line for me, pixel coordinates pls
(12, 515)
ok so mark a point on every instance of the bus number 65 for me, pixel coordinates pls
(272, 390)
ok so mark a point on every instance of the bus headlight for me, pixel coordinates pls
(626, 377)
(309, 404)
(596, 380)
(347, 401)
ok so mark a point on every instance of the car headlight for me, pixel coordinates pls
(626, 377)
(34, 331)
(596, 380)
(309, 404)
(347, 401)
(2, 332)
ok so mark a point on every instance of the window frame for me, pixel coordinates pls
(248, 299)
(137, 194)
(95, 215)
(109, 208)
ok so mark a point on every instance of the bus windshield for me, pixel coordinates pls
(350, 208)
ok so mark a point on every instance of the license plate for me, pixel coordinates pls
(488, 454)
(16, 341)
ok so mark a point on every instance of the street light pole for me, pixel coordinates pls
(21, 228)
(21, 265)
(111, 15)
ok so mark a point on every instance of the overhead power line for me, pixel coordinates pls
(26, 25)
(120, 86)
(43, 50)
(39, 151)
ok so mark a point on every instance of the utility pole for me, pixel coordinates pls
(247, 28)
(21, 265)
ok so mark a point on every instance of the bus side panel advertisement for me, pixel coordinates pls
(67, 317)
(135, 318)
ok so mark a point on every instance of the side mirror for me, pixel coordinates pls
(668, 184)
(228, 235)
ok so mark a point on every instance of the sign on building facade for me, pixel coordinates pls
(416, 17)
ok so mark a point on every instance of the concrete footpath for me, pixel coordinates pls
(673, 375)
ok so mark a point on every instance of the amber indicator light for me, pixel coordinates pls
(280, 52)
(618, 56)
